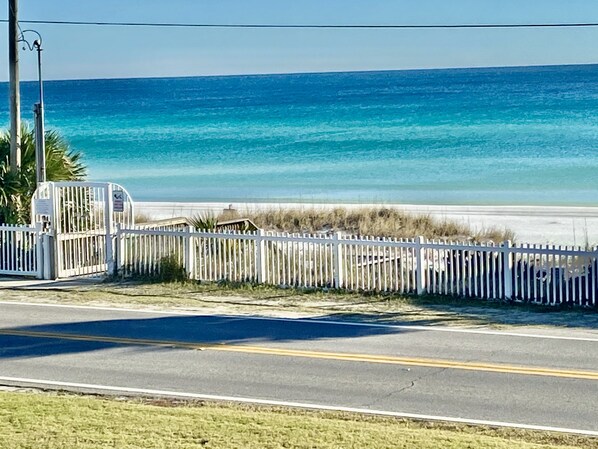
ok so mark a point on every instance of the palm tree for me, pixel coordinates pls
(17, 188)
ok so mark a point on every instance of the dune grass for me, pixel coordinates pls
(377, 222)
(141, 217)
(41, 420)
(366, 221)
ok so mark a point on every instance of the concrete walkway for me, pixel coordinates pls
(37, 284)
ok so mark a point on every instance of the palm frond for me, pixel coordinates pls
(17, 188)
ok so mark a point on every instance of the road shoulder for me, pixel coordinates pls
(293, 303)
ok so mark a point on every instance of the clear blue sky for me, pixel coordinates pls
(85, 52)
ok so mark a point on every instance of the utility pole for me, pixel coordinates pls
(15, 95)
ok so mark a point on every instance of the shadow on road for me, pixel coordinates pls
(200, 329)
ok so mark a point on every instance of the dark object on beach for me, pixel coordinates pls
(201, 223)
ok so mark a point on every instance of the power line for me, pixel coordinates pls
(308, 26)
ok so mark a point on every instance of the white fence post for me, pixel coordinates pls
(260, 257)
(507, 269)
(108, 214)
(338, 259)
(39, 251)
(119, 254)
(419, 267)
(189, 253)
(49, 254)
(54, 217)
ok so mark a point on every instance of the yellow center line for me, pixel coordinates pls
(349, 357)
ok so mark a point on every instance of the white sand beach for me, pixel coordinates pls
(532, 224)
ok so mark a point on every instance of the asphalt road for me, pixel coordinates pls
(549, 378)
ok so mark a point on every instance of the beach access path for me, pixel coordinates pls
(560, 225)
(522, 378)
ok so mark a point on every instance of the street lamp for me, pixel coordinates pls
(38, 109)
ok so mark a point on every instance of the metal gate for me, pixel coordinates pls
(82, 218)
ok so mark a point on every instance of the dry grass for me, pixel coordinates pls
(30, 420)
(141, 217)
(377, 222)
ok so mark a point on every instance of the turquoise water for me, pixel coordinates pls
(467, 136)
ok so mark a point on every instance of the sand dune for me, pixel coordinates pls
(533, 224)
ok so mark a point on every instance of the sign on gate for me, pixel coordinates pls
(118, 201)
(43, 206)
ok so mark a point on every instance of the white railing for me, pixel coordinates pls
(20, 250)
(532, 273)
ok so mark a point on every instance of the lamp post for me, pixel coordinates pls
(38, 113)
(38, 109)
(15, 96)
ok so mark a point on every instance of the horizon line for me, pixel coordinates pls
(315, 72)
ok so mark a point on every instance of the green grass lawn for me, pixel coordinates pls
(49, 420)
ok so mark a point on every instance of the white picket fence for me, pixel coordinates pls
(545, 274)
(20, 250)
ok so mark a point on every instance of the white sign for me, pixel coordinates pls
(118, 201)
(43, 206)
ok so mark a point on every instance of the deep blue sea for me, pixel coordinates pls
(466, 136)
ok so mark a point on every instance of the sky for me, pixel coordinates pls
(76, 52)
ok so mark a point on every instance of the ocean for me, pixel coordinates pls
(491, 136)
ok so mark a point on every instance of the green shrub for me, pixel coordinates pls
(171, 270)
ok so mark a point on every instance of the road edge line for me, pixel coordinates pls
(275, 403)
